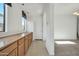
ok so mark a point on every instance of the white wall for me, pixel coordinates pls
(49, 33)
(13, 20)
(35, 10)
(44, 25)
(65, 23)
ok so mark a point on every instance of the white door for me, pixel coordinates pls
(38, 27)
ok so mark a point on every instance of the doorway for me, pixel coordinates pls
(77, 27)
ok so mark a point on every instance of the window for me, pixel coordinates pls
(2, 17)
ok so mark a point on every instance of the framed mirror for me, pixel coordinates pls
(2, 17)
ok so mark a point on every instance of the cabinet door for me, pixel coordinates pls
(30, 39)
(26, 45)
(13, 53)
(29, 42)
(9, 49)
(21, 41)
(21, 50)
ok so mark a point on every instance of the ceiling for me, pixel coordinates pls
(36, 9)
(66, 8)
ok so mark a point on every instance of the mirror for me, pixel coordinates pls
(2, 17)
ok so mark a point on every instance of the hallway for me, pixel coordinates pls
(67, 48)
(37, 49)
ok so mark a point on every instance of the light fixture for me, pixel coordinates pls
(76, 13)
(23, 4)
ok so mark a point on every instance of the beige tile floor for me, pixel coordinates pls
(62, 48)
(37, 49)
(67, 48)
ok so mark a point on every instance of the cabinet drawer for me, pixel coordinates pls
(21, 41)
(26, 37)
(9, 48)
(30, 36)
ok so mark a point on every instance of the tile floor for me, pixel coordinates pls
(62, 48)
(67, 48)
(37, 49)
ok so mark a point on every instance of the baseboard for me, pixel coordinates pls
(64, 39)
(38, 39)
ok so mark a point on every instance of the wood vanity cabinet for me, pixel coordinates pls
(30, 38)
(21, 50)
(28, 41)
(13, 53)
(10, 50)
(26, 44)
(19, 47)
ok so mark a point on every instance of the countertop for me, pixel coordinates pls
(10, 39)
